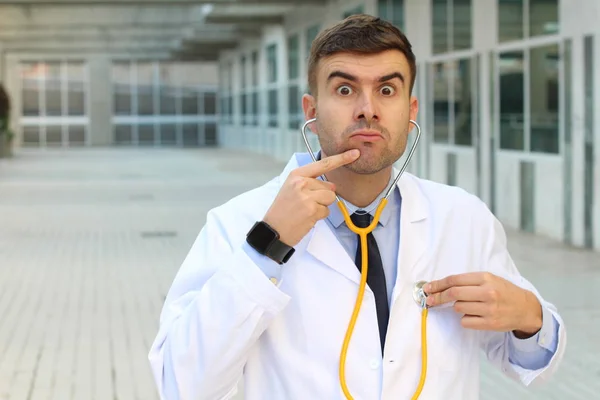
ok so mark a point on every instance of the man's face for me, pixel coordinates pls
(363, 102)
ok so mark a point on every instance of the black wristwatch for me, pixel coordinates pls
(265, 240)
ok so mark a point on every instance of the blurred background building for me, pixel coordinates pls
(507, 88)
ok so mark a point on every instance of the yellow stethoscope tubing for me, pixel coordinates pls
(363, 232)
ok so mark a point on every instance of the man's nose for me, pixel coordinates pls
(366, 108)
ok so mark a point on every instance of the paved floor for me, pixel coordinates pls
(91, 239)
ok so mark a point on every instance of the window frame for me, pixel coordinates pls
(472, 56)
(42, 121)
(526, 46)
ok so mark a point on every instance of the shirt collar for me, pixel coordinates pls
(336, 218)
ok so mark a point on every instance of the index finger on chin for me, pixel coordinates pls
(327, 164)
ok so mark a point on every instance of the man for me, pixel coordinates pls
(267, 291)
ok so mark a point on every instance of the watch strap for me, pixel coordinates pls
(279, 251)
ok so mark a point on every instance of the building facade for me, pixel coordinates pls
(507, 92)
(96, 99)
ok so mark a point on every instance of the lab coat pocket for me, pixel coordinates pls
(444, 338)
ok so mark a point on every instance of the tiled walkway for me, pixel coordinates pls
(90, 241)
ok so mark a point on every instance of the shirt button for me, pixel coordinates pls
(543, 340)
(374, 364)
(274, 280)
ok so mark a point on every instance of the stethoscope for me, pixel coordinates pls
(419, 294)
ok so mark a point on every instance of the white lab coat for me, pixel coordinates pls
(224, 321)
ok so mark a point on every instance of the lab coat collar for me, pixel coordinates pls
(322, 243)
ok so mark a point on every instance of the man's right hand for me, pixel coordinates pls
(303, 199)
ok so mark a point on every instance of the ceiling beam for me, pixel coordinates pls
(74, 45)
(154, 2)
(260, 20)
(99, 15)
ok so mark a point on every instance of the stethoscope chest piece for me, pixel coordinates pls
(419, 294)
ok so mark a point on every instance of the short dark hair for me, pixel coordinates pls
(361, 34)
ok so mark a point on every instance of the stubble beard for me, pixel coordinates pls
(370, 161)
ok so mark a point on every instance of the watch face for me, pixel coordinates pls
(261, 236)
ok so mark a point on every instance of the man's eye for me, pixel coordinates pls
(388, 91)
(344, 90)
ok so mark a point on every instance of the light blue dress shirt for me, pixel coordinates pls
(531, 353)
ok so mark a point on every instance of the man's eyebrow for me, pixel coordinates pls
(343, 75)
(347, 76)
(391, 76)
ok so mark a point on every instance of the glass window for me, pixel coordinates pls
(53, 83)
(210, 134)
(168, 134)
(356, 10)
(543, 99)
(311, 34)
(512, 82)
(168, 89)
(510, 20)
(244, 106)
(461, 24)
(272, 63)
(543, 17)
(190, 135)
(146, 134)
(384, 9)
(463, 102)
(255, 107)
(441, 103)
(398, 13)
(31, 135)
(273, 107)
(392, 11)
(440, 26)
(255, 68)
(451, 25)
(76, 135)
(145, 89)
(210, 103)
(123, 134)
(76, 89)
(453, 93)
(294, 106)
(31, 86)
(243, 72)
(54, 89)
(293, 57)
(189, 101)
(54, 135)
(122, 88)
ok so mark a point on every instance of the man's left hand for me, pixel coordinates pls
(488, 302)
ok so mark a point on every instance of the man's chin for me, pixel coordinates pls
(364, 168)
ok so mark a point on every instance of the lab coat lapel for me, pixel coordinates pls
(321, 242)
(325, 247)
(414, 230)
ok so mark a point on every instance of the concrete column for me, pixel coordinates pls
(596, 147)
(2, 64)
(577, 21)
(485, 22)
(100, 100)
(419, 35)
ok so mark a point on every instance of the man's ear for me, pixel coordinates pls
(309, 106)
(414, 108)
